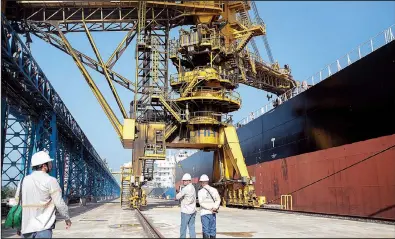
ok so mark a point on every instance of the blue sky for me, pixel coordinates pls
(305, 35)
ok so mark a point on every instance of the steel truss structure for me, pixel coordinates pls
(212, 58)
(35, 118)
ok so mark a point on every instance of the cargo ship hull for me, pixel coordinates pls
(337, 123)
(158, 192)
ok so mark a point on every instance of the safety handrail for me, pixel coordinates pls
(246, 22)
(174, 78)
(354, 55)
(174, 44)
(351, 57)
(205, 114)
(216, 91)
(259, 59)
(210, 114)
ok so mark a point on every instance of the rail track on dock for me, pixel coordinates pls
(147, 225)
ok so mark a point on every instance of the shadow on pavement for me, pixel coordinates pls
(74, 211)
(7, 233)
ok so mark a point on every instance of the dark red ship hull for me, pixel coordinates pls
(366, 189)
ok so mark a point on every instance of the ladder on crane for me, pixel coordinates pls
(126, 187)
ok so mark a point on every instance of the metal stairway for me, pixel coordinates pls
(170, 106)
(170, 130)
(190, 85)
(244, 41)
(242, 71)
(125, 193)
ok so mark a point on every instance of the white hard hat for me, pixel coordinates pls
(204, 178)
(186, 177)
(40, 157)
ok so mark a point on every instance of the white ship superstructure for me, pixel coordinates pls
(164, 170)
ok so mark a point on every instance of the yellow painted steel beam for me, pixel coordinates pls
(168, 107)
(168, 132)
(222, 98)
(190, 85)
(123, 173)
(153, 157)
(138, 42)
(141, 21)
(58, 43)
(234, 151)
(125, 41)
(99, 96)
(113, 90)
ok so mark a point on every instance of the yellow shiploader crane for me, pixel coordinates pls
(189, 111)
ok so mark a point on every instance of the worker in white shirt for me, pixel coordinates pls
(188, 207)
(41, 196)
(209, 201)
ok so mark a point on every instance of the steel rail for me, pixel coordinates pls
(147, 225)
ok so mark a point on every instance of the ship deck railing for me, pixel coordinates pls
(364, 49)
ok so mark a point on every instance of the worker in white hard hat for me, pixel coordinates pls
(41, 196)
(209, 201)
(187, 195)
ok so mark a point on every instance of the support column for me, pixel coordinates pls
(4, 110)
(17, 143)
(53, 145)
(89, 178)
(70, 173)
(67, 168)
(60, 161)
(82, 176)
(46, 137)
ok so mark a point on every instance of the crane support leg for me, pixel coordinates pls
(232, 152)
(237, 186)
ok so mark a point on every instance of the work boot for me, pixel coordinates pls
(206, 235)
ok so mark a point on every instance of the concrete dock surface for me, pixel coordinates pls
(247, 223)
(109, 220)
(95, 220)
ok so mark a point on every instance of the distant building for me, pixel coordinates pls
(164, 170)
